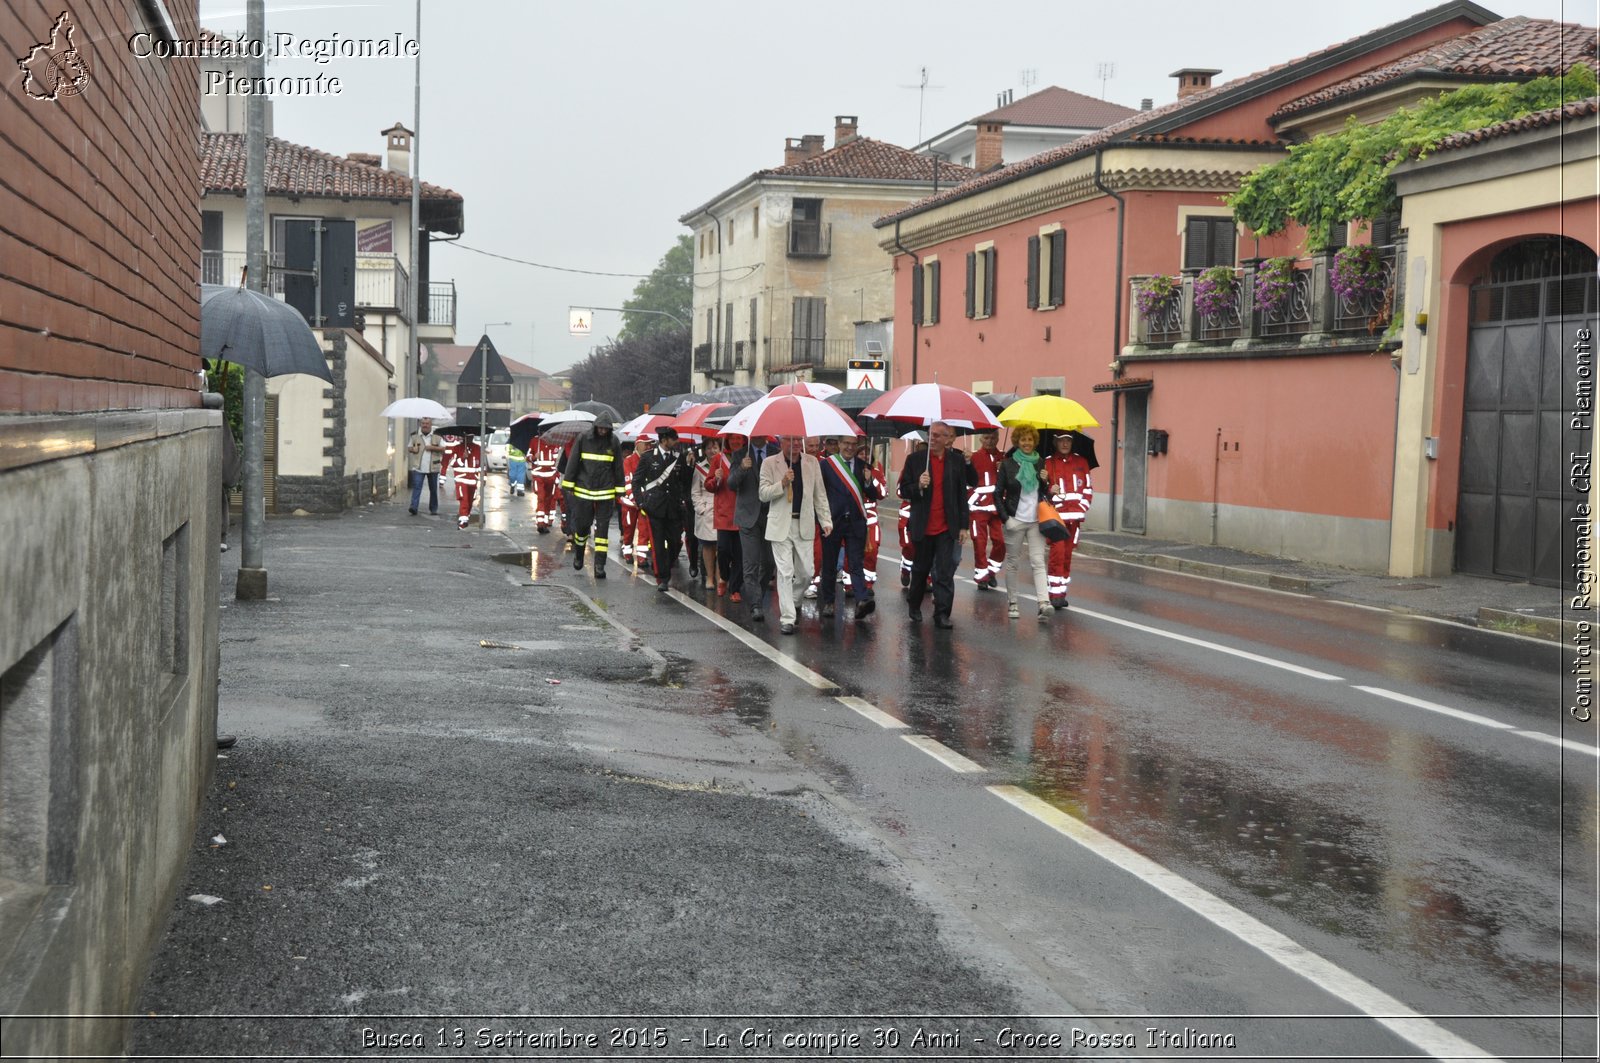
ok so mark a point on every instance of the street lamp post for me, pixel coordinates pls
(483, 426)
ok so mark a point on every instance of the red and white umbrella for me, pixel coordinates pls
(791, 415)
(923, 404)
(692, 422)
(642, 427)
(808, 388)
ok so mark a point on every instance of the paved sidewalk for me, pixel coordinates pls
(1518, 608)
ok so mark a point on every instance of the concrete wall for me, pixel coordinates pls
(108, 703)
(1347, 541)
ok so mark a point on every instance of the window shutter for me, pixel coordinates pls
(1033, 273)
(1058, 268)
(988, 282)
(1197, 243)
(972, 284)
(1338, 236)
(933, 283)
(1224, 242)
(819, 324)
(916, 294)
(1385, 229)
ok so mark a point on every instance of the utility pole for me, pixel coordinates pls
(252, 582)
(413, 368)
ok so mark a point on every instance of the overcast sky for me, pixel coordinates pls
(579, 132)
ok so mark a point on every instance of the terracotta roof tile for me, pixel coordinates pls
(1128, 127)
(293, 170)
(1536, 120)
(866, 159)
(1518, 47)
(1055, 106)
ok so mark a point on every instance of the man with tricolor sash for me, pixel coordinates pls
(851, 490)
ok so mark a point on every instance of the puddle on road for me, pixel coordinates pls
(712, 692)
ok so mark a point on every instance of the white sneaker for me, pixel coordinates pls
(811, 591)
(1044, 614)
(1012, 612)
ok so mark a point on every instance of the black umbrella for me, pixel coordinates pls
(1081, 445)
(1000, 402)
(738, 394)
(523, 430)
(672, 405)
(598, 408)
(854, 401)
(254, 330)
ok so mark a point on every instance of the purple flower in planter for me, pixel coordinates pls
(1216, 291)
(1274, 285)
(1357, 273)
(1154, 295)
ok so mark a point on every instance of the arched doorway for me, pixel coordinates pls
(1516, 494)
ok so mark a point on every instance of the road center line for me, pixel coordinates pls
(1382, 1008)
(782, 660)
(1434, 706)
(1565, 743)
(1217, 646)
(873, 713)
(944, 754)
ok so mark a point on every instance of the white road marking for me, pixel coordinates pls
(1217, 646)
(1434, 706)
(782, 660)
(944, 754)
(873, 713)
(1564, 743)
(1383, 1009)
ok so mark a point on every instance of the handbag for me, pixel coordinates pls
(1051, 526)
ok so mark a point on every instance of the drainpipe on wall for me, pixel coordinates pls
(915, 262)
(1216, 480)
(1116, 326)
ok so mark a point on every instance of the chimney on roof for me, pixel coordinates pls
(801, 149)
(988, 153)
(1147, 104)
(397, 153)
(1193, 79)
(844, 129)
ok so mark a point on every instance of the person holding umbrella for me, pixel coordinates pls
(851, 491)
(1071, 492)
(423, 452)
(1021, 486)
(661, 488)
(750, 512)
(591, 481)
(791, 485)
(937, 485)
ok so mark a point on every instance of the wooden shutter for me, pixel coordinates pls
(1224, 241)
(933, 285)
(916, 293)
(1197, 243)
(1058, 268)
(1385, 230)
(819, 325)
(988, 281)
(1033, 273)
(972, 284)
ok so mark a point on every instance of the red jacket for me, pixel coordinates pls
(1068, 484)
(987, 464)
(725, 499)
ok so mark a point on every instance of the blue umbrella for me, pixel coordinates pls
(254, 330)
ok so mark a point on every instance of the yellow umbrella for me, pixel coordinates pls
(1047, 411)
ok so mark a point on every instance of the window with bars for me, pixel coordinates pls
(980, 281)
(1209, 241)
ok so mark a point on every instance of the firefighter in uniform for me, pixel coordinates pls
(1071, 491)
(988, 525)
(635, 525)
(591, 481)
(546, 459)
(463, 462)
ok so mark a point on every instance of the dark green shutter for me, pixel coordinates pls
(1033, 273)
(988, 283)
(972, 284)
(916, 294)
(933, 282)
(1058, 268)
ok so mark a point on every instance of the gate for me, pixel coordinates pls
(1516, 497)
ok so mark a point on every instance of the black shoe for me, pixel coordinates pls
(942, 622)
(1061, 604)
(577, 560)
(916, 615)
(599, 572)
(865, 608)
(544, 531)
(756, 617)
(226, 741)
(905, 578)
(827, 608)
(413, 512)
(787, 629)
(661, 587)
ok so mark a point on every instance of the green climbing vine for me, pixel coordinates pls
(1345, 176)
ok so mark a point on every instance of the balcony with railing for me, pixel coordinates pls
(440, 307)
(790, 353)
(382, 283)
(726, 358)
(810, 239)
(227, 267)
(1300, 307)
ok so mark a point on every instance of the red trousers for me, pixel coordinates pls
(1059, 564)
(988, 546)
(464, 495)
(546, 496)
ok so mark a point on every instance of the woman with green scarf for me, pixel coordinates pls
(1021, 477)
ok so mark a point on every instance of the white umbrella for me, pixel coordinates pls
(811, 389)
(416, 408)
(791, 415)
(923, 404)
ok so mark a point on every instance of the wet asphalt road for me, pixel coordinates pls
(1262, 746)
(1417, 852)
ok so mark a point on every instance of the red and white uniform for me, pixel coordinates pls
(1071, 491)
(463, 462)
(988, 525)
(544, 460)
(869, 557)
(906, 552)
(634, 523)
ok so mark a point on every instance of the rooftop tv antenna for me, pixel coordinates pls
(1029, 78)
(1105, 72)
(922, 88)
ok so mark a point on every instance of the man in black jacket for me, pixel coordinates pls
(591, 479)
(751, 514)
(661, 485)
(937, 483)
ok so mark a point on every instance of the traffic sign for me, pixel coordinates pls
(865, 373)
(579, 322)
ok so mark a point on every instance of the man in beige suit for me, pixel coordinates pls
(797, 502)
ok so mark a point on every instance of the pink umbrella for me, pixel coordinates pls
(791, 415)
(808, 388)
(923, 404)
(692, 422)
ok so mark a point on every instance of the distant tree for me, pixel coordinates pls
(631, 374)
(668, 290)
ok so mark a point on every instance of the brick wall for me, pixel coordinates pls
(99, 221)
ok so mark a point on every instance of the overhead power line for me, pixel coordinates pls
(586, 272)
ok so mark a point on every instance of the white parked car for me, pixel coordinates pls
(495, 453)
